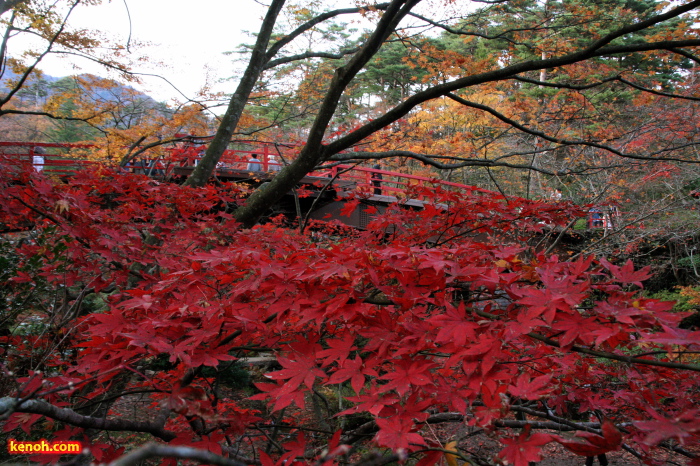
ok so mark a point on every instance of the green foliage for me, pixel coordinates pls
(581, 224)
(390, 75)
(690, 262)
(69, 130)
(9, 307)
(682, 301)
(25, 295)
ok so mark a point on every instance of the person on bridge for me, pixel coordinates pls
(377, 179)
(38, 158)
(254, 163)
(272, 164)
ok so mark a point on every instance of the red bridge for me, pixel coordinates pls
(328, 186)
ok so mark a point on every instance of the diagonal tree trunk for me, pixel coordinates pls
(229, 122)
(313, 151)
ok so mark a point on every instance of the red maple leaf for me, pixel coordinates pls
(407, 373)
(22, 420)
(398, 432)
(593, 444)
(530, 389)
(680, 427)
(353, 370)
(524, 448)
(349, 207)
(626, 273)
(301, 369)
(295, 449)
(455, 326)
(338, 350)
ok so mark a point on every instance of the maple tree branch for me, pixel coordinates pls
(500, 74)
(117, 396)
(685, 54)
(30, 69)
(10, 405)
(325, 187)
(430, 160)
(602, 82)
(277, 46)
(574, 87)
(503, 35)
(641, 25)
(154, 450)
(593, 427)
(309, 54)
(276, 120)
(655, 92)
(13, 111)
(601, 354)
(617, 357)
(554, 424)
(557, 140)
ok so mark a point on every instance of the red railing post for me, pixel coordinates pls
(266, 158)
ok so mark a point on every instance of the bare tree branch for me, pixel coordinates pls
(575, 87)
(154, 450)
(310, 54)
(277, 46)
(30, 69)
(431, 160)
(567, 142)
(9, 405)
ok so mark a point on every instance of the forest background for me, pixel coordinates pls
(124, 287)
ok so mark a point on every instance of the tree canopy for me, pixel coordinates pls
(575, 53)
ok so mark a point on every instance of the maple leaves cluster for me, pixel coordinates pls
(444, 313)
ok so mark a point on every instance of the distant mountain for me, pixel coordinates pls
(130, 106)
(37, 90)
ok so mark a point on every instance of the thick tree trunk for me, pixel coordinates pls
(238, 101)
(314, 152)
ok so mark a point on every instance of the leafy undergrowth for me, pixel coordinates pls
(378, 339)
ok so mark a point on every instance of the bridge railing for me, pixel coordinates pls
(604, 217)
(66, 159)
(235, 159)
(386, 182)
(52, 158)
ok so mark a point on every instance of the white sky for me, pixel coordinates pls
(187, 37)
(187, 40)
